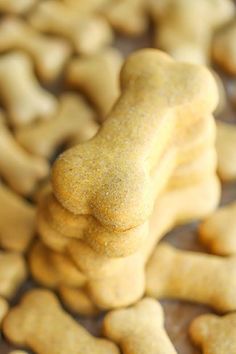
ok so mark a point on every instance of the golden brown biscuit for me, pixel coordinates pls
(128, 17)
(12, 273)
(74, 121)
(77, 301)
(23, 97)
(226, 151)
(17, 221)
(98, 77)
(178, 31)
(214, 334)
(224, 48)
(86, 31)
(102, 174)
(49, 54)
(197, 277)
(139, 329)
(21, 170)
(18, 352)
(41, 324)
(218, 231)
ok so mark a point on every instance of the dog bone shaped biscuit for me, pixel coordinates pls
(41, 324)
(17, 221)
(197, 277)
(224, 48)
(178, 31)
(16, 7)
(113, 181)
(98, 77)
(20, 169)
(49, 54)
(218, 231)
(87, 31)
(139, 329)
(118, 11)
(214, 334)
(24, 99)
(12, 273)
(226, 151)
(74, 121)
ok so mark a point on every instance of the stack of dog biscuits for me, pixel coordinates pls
(114, 197)
(106, 147)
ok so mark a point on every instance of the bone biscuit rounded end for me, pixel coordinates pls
(139, 329)
(21, 327)
(214, 334)
(182, 275)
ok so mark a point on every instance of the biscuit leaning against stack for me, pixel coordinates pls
(114, 197)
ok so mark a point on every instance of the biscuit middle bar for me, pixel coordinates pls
(151, 165)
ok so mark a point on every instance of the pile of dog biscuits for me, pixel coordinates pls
(102, 155)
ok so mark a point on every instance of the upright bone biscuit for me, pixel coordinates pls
(41, 324)
(214, 334)
(87, 31)
(139, 329)
(21, 170)
(74, 121)
(49, 54)
(114, 182)
(197, 277)
(98, 77)
(196, 143)
(178, 30)
(12, 273)
(226, 151)
(16, 7)
(24, 99)
(17, 221)
(218, 231)
(128, 17)
(224, 48)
